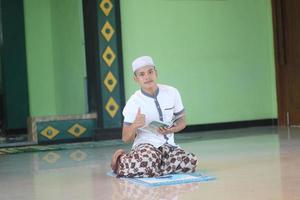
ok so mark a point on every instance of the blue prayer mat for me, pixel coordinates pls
(170, 179)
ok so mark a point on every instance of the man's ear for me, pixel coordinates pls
(134, 78)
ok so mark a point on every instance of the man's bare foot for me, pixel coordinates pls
(114, 159)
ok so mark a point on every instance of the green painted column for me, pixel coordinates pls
(40, 63)
(110, 58)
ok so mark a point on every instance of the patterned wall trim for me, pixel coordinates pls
(110, 59)
(56, 129)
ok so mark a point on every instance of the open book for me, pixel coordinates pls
(156, 124)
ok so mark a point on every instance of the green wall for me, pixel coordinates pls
(219, 54)
(55, 56)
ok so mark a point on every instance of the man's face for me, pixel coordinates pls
(146, 77)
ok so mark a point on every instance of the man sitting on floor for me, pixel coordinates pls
(154, 153)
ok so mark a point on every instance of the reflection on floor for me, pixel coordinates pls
(253, 163)
(11, 140)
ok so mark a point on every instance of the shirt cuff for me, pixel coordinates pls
(179, 113)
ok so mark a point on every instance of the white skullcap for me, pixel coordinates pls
(142, 62)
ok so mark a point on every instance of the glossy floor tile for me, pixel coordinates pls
(253, 163)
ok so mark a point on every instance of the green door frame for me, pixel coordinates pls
(13, 65)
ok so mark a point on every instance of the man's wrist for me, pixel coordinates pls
(134, 127)
(174, 129)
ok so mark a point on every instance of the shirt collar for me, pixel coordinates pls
(149, 95)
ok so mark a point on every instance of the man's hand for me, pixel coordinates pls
(129, 131)
(139, 119)
(167, 130)
(177, 126)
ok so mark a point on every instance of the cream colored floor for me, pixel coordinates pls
(253, 163)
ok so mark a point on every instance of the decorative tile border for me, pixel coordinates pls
(55, 129)
(110, 60)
